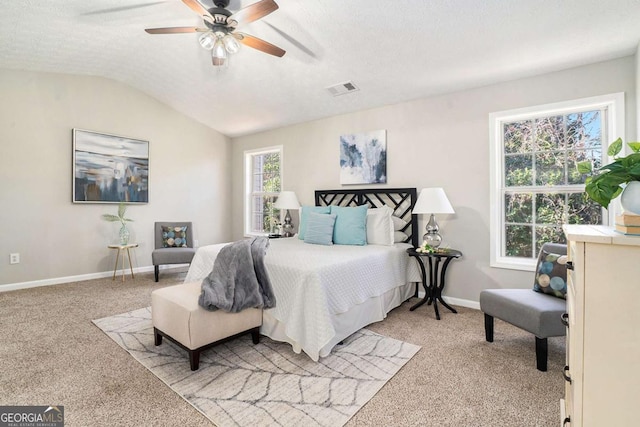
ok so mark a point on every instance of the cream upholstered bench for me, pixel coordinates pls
(177, 316)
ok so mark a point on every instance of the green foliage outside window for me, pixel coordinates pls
(266, 186)
(543, 187)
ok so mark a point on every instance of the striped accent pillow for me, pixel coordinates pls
(320, 229)
(304, 213)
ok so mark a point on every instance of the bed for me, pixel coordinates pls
(326, 293)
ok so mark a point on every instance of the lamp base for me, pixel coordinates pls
(432, 237)
(287, 227)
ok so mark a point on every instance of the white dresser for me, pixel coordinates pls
(603, 336)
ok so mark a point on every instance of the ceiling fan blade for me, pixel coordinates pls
(293, 41)
(259, 44)
(124, 8)
(175, 30)
(254, 12)
(197, 8)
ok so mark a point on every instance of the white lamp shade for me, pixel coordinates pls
(432, 201)
(287, 200)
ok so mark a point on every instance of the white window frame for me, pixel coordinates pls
(248, 193)
(614, 128)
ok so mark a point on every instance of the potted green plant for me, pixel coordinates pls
(124, 232)
(608, 181)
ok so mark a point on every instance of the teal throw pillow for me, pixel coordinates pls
(304, 213)
(351, 225)
(174, 237)
(551, 274)
(319, 229)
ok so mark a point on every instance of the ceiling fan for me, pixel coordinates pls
(219, 34)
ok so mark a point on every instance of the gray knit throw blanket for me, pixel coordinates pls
(239, 278)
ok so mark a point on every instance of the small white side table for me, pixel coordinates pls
(122, 248)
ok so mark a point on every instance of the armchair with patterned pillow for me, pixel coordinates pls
(537, 310)
(174, 244)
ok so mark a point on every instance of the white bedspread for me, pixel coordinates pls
(202, 262)
(313, 283)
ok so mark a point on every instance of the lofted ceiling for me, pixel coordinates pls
(393, 51)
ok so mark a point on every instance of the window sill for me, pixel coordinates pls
(522, 264)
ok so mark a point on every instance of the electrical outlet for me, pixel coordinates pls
(14, 258)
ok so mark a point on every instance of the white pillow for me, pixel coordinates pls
(379, 226)
(398, 223)
(399, 236)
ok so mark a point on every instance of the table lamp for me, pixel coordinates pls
(432, 201)
(287, 200)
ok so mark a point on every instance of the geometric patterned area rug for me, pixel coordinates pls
(242, 384)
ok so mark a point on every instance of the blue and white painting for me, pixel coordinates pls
(109, 168)
(363, 158)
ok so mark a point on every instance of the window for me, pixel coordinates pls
(535, 184)
(263, 181)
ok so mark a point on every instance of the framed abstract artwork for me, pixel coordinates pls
(109, 168)
(363, 158)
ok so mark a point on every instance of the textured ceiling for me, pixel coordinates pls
(392, 50)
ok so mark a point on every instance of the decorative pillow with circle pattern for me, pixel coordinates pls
(174, 237)
(551, 274)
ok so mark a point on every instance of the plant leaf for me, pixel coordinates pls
(122, 208)
(614, 178)
(617, 192)
(615, 147)
(635, 171)
(585, 167)
(602, 192)
(614, 166)
(606, 184)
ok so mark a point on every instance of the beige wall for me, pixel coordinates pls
(638, 91)
(189, 174)
(439, 141)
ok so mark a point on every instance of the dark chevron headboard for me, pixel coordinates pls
(401, 200)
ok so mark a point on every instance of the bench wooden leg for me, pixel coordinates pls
(194, 359)
(541, 354)
(157, 337)
(488, 327)
(255, 335)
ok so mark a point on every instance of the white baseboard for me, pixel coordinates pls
(456, 301)
(462, 302)
(81, 277)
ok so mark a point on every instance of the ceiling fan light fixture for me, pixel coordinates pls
(218, 34)
(219, 53)
(207, 40)
(231, 44)
(219, 62)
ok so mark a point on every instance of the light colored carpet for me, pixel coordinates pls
(242, 384)
(52, 354)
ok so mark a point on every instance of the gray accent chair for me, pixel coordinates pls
(535, 312)
(162, 256)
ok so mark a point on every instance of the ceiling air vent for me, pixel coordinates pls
(342, 88)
